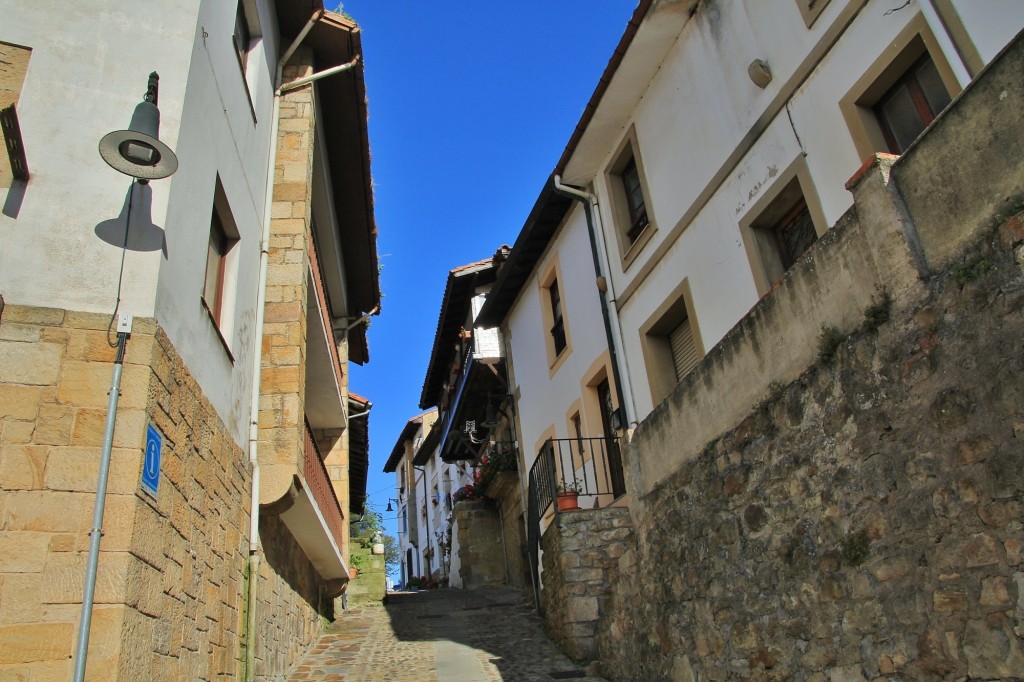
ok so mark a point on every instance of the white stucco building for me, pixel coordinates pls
(714, 151)
(248, 273)
(424, 485)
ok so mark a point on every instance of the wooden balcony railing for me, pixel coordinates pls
(321, 298)
(315, 473)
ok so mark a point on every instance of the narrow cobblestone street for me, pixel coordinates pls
(439, 635)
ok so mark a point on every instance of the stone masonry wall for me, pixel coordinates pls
(481, 560)
(283, 375)
(290, 590)
(581, 559)
(863, 520)
(55, 373)
(169, 586)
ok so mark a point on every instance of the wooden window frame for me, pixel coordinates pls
(913, 42)
(654, 340)
(761, 226)
(554, 328)
(217, 297)
(624, 178)
(922, 107)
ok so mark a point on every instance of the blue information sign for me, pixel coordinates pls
(151, 464)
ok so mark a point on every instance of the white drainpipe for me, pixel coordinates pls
(261, 298)
(615, 325)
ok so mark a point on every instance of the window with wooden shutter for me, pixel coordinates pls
(684, 350)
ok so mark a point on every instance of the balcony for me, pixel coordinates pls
(592, 466)
(312, 514)
(474, 376)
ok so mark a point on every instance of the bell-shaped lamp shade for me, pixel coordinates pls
(491, 418)
(138, 151)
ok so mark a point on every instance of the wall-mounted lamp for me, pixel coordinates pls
(390, 500)
(494, 401)
(138, 151)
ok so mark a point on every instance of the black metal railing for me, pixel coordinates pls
(590, 466)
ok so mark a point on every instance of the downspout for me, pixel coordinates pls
(615, 346)
(423, 470)
(254, 405)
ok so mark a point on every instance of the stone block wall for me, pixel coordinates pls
(581, 559)
(863, 518)
(504, 489)
(170, 576)
(283, 373)
(479, 544)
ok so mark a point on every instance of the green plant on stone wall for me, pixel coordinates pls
(968, 272)
(856, 548)
(877, 314)
(828, 342)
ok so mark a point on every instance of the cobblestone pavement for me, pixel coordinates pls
(439, 636)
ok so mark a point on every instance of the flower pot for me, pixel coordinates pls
(567, 501)
(352, 572)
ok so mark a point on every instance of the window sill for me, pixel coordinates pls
(636, 247)
(559, 360)
(216, 327)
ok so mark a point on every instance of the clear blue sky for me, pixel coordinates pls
(471, 105)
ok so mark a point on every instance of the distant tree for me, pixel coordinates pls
(392, 554)
(368, 525)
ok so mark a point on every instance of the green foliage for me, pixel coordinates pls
(340, 9)
(368, 525)
(828, 342)
(877, 314)
(968, 272)
(500, 458)
(392, 553)
(358, 560)
(573, 486)
(856, 548)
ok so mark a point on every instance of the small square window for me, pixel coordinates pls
(781, 227)
(558, 324)
(671, 343)
(242, 36)
(899, 96)
(911, 105)
(629, 201)
(218, 282)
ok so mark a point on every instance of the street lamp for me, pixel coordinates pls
(137, 152)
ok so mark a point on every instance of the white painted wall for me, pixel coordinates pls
(991, 23)
(219, 137)
(89, 67)
(695, 114)
(88, 70)
(545, 398)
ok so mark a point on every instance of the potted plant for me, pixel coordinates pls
(568, 493)
(412, 584)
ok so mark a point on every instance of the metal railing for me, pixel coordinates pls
(315, 472)
(320, 291)
(591, 466)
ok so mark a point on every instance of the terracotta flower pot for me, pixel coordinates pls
(567, 501)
